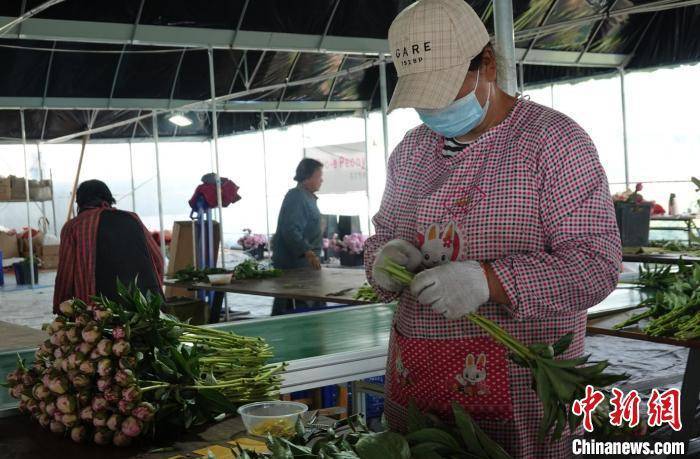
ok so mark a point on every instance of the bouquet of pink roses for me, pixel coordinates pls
(252, 241)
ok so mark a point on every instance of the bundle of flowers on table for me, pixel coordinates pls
(353, 243)
(252, 241)
(634, 197)
(114, 372)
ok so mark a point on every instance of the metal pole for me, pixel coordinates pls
(624, 127)
(551, 94)
(53, 205)
(267, 210)
(522, 77)
(160, 194)
(131, 170)
(41, 179)
(383, 100)
(215, 134)
(369, 211)
(26, 191)
(505, 44)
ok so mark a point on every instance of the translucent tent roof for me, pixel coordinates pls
(83, 63)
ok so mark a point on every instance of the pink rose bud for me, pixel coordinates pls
(40, 391)
(125, 407)
(104, 347)
(103, 436)
(99, 403)
(118, 333)
(114, 422)
(55, 340)
(42, 406)
(131, 427)
(58, 353)
(86, 413)
(65, 404)
(73, 335)
(72, 374)
(82, 320)
(113, 394)
(638, 188)
(78, 434)
(121, 348)
(84, 397)
(66, 308)
(28, 379)
(81, 381)
(87, 368)
(32, 406)
(58, 386)
(102, 315)
(51, 408)
(104, 368)
(124, 378)
(44, 420)
(121, 440)
(85, 348)
(14, 377)
(91, 333)
(94, 355)
(69, 420)
(57, 427)
(144, 411)
(16, 392)
(132, 394)
(58, 416)
(103, 384)
(99, 419)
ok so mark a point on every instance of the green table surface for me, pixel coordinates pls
(301, 336)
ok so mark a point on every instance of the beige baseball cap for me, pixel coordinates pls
(432, 43)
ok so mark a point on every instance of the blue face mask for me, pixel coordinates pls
(458, 118)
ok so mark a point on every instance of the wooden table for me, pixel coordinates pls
(334, 285)
(691, 379)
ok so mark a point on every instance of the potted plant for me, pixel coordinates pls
(254, 244)
(23, 271)
(351, 249)
(633, 214)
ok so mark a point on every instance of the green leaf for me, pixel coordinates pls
(467, 429)
(560, 424)
(279, 449)
(435, 436)
(385, 445)
(430, 451)
(416, 420)
(563, 344)
(218, 400)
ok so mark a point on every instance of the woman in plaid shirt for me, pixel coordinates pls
(501, 206)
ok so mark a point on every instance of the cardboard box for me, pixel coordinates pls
(18, 187)
(5, 188)
(40, 190)
(9, 245)
(49, 256)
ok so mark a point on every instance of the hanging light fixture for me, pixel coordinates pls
(180, 119)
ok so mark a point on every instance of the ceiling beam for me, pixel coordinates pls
(188, 37)
(79, 103)
(569, 58)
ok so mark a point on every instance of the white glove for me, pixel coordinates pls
(453, 289)
(400, 252)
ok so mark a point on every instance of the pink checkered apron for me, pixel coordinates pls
(530, 197)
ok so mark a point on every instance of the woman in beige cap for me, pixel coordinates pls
(502, 207)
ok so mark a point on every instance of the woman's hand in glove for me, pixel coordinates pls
(453, 289)
(400, 252)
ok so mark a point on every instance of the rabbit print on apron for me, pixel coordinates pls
(435, 372)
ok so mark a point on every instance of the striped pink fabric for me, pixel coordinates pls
(75, 277)
(531, 197)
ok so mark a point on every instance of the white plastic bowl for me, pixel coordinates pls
(277, 418)
(220, 279)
